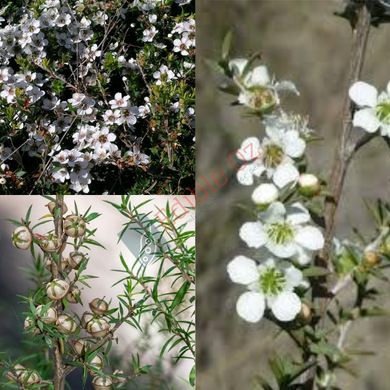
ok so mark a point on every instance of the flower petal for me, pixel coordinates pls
(297, 214)
(286, 306)
(285, 174)
(250, 149)
(363, 94)
(367, 120)
(238, 65)
(283, 251)
(243, 270)
(250, 306)
(253, 234)
(274, 213)
(293, 144)
(310, 238)
(304, 256)
(258, 76)
(245, 176)
(293, 277)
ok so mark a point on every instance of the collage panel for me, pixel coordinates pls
(97, 97)
(293, 194)
(97, 292)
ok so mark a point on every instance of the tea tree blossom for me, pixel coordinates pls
(285, 231)
(373, 112)
(271, 284)
(274, 156)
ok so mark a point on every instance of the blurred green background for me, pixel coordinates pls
(305, 42)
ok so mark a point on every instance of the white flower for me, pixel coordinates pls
(76, 99)
(270, 285)
(182, 45)
(265, 194)
(119, 101)
(112, 117)
(374, 113)
(149, 34)
(274, 157)
(258, 91)
(163, 74)
(138, 157)
(285, 232)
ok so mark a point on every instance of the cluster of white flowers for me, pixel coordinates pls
(283, 233)
(80, 131)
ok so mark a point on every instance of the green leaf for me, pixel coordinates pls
(192, 377)
(226, 45)
(314, 272)
(180, 294)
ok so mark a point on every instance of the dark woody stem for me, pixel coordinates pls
(346, 149)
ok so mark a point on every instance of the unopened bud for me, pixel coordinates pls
(265, 194)
(309, 185)
(305, 316)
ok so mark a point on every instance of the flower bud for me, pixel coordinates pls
(57, 289)
(371, 259)
(74, 226)
(21, 237)
(99, 306)
(102, 383)
(51, 206)
(98, 327)
(265, 194)
(309, 185)
(75, 259)
(50, 243)
(96, 362)
(305, 316)
(49, 316)
(67, 324)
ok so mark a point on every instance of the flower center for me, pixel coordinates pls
(262, 98)
(273, 156)
(280, 233)
(272, 281)
(382, 111)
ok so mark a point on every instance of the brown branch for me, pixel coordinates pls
(345, 151)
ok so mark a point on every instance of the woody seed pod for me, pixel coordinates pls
(72, 294)
(305, 315)
(66, 323)
(64, 264)
(21, 237)
(49, 316)
(76, 259)
(57, 289)
(99, 306)
(74, 226)
(51, 206)
(98, 327)
(29, 377)
(10, 376)
(96, 362)
(28, 322)
(102, 383)
(79, 346)
(50, 243)
(86, 317)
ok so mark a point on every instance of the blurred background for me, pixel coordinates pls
(302, 41)
(13, 281)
